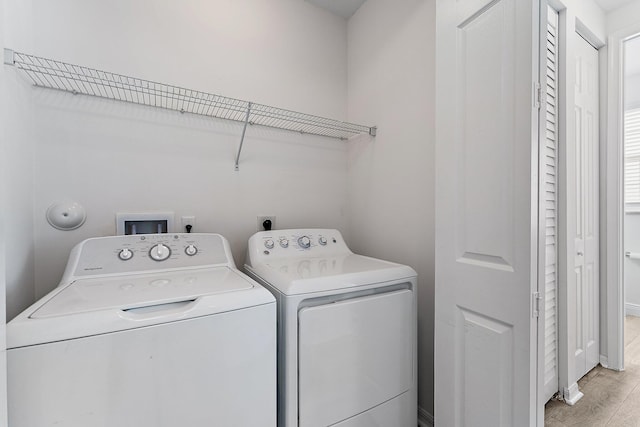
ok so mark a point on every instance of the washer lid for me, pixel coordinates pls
(305, 275)
(138, 291)
(89, 307)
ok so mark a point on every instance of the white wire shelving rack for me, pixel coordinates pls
(77, 79)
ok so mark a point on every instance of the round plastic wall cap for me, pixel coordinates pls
(66, 215)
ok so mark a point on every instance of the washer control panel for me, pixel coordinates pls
(134, 253)
(296, 243)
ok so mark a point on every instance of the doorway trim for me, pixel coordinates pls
(614, 248)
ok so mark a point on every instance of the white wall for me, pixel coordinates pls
(632, 89)
(632, 266)
(391, 179)
(619, 20)
(632, 220)
(283, 52)
(3, 205)
(620, 24)
(113, 157)
(623, 17)
(18, 171)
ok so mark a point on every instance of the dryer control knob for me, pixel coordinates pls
(125, 254)
(160, 252)
(268, 244)
(191, 250)
(322, 241)
(284, 243)
(304, 242)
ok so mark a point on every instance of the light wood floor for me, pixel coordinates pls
(610, 398)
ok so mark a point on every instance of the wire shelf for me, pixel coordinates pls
(78, 79)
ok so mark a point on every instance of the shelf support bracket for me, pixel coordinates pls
(8, 57)
(244, 130)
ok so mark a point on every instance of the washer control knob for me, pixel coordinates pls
(304, 242)
(284, 243)
(268, 244)
(322, 240)
(191, 250)
(125, 254)
(160, 252)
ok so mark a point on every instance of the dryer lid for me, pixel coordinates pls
(141, 290)
(293, 276)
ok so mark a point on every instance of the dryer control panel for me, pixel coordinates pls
(292, 243)
(147, 252)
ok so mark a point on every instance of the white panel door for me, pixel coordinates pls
(585, 223)
(486, 213)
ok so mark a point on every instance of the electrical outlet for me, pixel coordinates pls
(188, 220)
(263, 218)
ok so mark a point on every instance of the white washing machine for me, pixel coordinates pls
(346, 331)
(154, 330)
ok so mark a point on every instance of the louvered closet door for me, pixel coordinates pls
(549, 174)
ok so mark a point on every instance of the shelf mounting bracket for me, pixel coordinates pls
(244, 130)
(8, 57)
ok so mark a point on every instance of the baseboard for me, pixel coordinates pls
(604, 361)
(425, 419)
(572, 394)
(631, 309)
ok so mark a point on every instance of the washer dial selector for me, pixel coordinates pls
(322, 240)
(269, 244)
(159, 252)
(284, 243)
(191, 250)
(125, 254)
(304, 242)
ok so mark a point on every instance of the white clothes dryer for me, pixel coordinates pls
(156, 330)
(346, 331)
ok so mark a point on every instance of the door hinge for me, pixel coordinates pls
(537, 95)
(535, 303)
